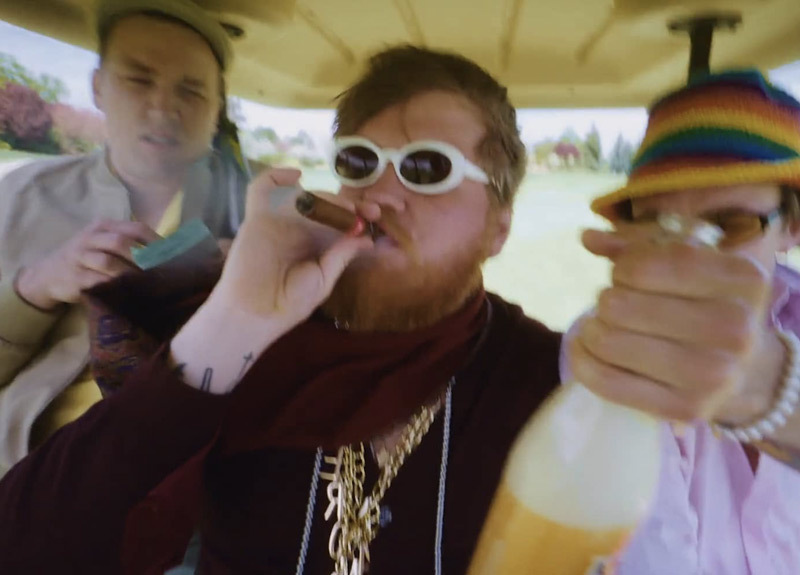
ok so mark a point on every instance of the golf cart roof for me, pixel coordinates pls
(551, 53)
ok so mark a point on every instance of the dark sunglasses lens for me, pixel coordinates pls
(425, 167)
(355, 162)
(738, 228)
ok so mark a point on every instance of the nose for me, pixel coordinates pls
(388, 191)
(163, 103)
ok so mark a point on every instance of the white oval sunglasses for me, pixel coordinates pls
(423, 166)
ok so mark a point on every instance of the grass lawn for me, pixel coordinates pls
(543, 267)
(14, 155)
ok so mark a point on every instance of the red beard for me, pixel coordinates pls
(371, 297)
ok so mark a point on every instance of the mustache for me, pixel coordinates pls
(390, 225)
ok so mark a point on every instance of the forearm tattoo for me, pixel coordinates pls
(208, 373)
(205, 385)
(247, 359)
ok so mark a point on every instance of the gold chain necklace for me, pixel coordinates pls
(358, 517)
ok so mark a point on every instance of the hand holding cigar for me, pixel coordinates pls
(329, 214)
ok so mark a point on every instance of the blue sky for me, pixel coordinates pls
(44, 55)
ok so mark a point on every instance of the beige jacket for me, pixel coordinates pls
(42, 205)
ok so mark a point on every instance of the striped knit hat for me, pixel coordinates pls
(722, 129)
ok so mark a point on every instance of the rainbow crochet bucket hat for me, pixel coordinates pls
(722, 129)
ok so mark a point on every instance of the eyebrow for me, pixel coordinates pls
(129, 62)
(137, 66)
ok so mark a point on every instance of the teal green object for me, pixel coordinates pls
(185, 238)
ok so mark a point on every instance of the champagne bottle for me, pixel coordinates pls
(579, 478)
(581, 474)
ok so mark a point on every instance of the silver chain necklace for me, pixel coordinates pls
(312, 492)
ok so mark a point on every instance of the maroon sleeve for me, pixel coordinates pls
(63, 508)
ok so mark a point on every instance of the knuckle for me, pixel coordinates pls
(118, 242)
(576, 356)
(740, 327)
(678, 408)
(749, 270)
(584, 368)
(684, 260)
(611, 302)
(720, 373)
(599, 338)
(752, 276)
(104, 260)
(98, 225)
(625, 270)
(88, 281)
(688, 411)
(682, 252)
(640, 269)
(141, 228)
(83, 237)
(760, 290)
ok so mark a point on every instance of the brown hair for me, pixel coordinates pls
(790, 204)
(396, 75)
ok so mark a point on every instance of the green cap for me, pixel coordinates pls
(184, 10)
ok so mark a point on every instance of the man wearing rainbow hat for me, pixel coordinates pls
(706, 336)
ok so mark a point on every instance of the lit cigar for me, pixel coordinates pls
(329, 214)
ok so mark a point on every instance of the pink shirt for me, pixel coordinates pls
(712, 514)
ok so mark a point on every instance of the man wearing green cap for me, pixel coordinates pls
(68, 224)
(707, 336)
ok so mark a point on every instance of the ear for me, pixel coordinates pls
(96, 91)
(502, 228)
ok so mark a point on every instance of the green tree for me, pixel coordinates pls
(12, 72)
(50, 89)
(621, 156)
(301, 139)
(594, 150)
(305, 140)
(541, 152)
(266, 134)
(570, 136)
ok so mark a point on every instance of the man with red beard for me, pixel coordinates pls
(339, 402)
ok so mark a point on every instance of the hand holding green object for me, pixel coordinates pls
(188, 236)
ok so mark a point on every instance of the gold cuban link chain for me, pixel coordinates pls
(358, 518)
